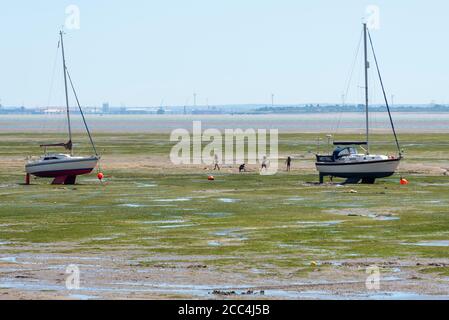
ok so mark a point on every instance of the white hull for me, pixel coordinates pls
(376, 169)
(62, 167)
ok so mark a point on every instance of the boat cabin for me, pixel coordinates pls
(343, 149)
(55, 156)
(340, 152)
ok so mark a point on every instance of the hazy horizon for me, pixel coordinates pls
(152, 53)
(352, 122)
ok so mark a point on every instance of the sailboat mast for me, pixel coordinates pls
(66, 94)
(366, 86)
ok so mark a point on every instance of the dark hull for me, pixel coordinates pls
(59, 173)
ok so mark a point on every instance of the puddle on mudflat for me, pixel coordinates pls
(173, 200)
(404, 296)
(119, 287)
(227, 232)
(295, 199)
(29, 285)
(228, 200)
(215, 214)
(176, 226)
(320, 223)
(132, 205)
(146, 185)
(162, 205)
(288, 245)
(82, 297)
(434, 243)
(231, 233)
(336, 263)
(8, 225)
(164, 221)
(104, 238)
(189, 290)
(8, 259)
(438, 184)
(214, 244)
(362, 212)
(385, 218)
(374, 296)
(257, 271)
(298, 294)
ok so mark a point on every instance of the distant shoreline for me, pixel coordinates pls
(346, 122)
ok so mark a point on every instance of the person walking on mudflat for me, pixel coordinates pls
(264, 163)
(216, 163)
(289, 163)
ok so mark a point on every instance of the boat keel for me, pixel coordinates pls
(64, 180)
(352, 180)
(369, 180)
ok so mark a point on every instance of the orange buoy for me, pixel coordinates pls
(100, 176)
(403, 181)
(210, 178)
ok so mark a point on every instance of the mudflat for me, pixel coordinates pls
(153, 230)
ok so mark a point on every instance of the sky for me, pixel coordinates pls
(147, 53)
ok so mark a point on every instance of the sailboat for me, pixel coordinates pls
(345, 161)
(64, 167)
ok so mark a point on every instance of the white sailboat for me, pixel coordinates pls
(346, 161)
(64, 168)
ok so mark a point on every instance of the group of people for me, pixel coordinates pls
(242, 168)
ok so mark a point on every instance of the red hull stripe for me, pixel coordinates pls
(59, 173)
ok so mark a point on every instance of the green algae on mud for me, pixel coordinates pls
(285, 220)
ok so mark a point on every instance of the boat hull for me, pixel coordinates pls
(361, 170)
(72, 167)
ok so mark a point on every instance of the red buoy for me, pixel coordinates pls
(403, 181)
(210, 178)
(100, 176)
